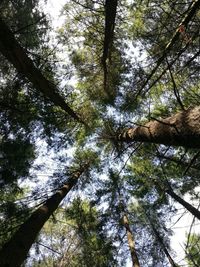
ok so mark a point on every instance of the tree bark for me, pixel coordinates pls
(15, 251)
(131, 242)
(181, 129)
(110, 15)
(17, 56)
(184, 203)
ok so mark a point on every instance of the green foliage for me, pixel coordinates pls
(15, 165)
(12, 211)
(77, 234)
(91, 234)
(149, 75)
(193, 250)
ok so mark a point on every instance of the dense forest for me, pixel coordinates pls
(99, 133)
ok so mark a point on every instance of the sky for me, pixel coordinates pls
(179, 224)
(53, 7)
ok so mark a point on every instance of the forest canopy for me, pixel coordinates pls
(99, 133)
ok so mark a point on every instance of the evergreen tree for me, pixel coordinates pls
(192, 253)
(136, 94)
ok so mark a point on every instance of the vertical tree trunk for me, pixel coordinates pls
(14, 252)
(131, 241)
(184, 203)
(181, 129)
(110, 15)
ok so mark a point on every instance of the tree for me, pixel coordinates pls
(192, 253)
(81, 224)
(155, 225)
(16, 249)
(27, 233)
(94, 242)
(179, 130)
(131, 241)
(136, 94)
(10, 48)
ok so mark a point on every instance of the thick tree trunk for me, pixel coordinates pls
(184, 203)
(160, 240)
(17, 56)
(15, 251)
(131, 242)
(181, 129)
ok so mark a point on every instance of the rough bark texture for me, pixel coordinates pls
(181, 129)
(17, 56)
(131, 242)
(15, 251)
(184, 203)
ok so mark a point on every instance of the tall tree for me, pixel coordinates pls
(74, 232)
(94, 240)
(14, 252)
(113, 191)
(192, 253)
(131, 241)
(151, 53)
(10, 48)
(180, 129)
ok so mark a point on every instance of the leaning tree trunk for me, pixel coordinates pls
(184, 203)
(181, 129)
(166, 187)
(186, 164)
(160, 240)
(17, 56)
(14, 252)
(131, 241)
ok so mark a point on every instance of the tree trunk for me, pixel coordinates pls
(17, 56)
(178, 161)
(160, 240)
(110, 15)
(184, 203)
(181, 129)
(14, 252)
(131, 242)
(190, 13)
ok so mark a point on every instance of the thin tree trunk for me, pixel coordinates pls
(131, 241)
(184, 203)
(15, 251)
(110, 15)
(178, 161)
(17, 56)
(160, 240)
(181, 129)
(190, 13)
